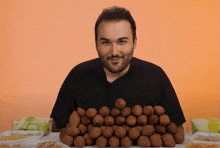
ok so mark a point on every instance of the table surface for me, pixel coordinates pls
(55, 136)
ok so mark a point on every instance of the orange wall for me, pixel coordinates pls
(40, 42)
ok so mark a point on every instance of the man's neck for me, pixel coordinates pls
(113, 76)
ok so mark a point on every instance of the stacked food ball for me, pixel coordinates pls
(122, 126)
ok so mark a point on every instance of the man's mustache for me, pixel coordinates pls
(113, 57)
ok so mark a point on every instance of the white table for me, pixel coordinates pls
(55, 136)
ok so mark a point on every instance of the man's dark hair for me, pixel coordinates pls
(115, 14)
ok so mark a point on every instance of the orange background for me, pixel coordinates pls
(41, 41)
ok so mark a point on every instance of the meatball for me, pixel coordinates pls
(159, 110)
(79, 141)
(131, 120)
(104, 111)
(164, 120)
(136, 110)
(180, 129)
(91, 112)
(68, 125)
(107, 132)
(171, 128)
(168, 140)
(179, 137)
(160, 129)
(120, 132)
(114, 141)
(133, 133)
(114, 127)
(73, 131)
(74, 119)
(156, 140)
(153, 119)
(62, 133)
(101, 141)
(143, 141)
(89, 127)
(126, 142)
(126, 127)
(95, 132)
(88, 139)
(139, 127)
(148, 110)
(98, 120)
(115, 112)
(126, 111)
(85, 120)
(120, 103)
(102, 127)
(68, 140)
(81, 112)
(82, 129)
(109, 121)
(147, 130)
(120, 120)
(142, 120)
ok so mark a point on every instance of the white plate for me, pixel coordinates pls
(37, 135)
(36, 142)
(204, 134)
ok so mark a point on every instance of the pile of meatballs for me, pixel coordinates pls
(122, 126)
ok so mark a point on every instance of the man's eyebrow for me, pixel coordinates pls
(123, 38)
(104, 39)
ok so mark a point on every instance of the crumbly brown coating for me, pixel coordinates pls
(82, 129)
(107, 132)
(91, 112)
(79, 141)
(98, 120)
(72, 131)
(114, 141)
(115, 112)
(160, 129)
(143, 141)
(156, 140)
(126, 127)
(126, 142)
(89, 127)
(133, 133)
(120, 120)
(168, 140)
(85, 120)
(104, 111)
(142, 120)
(62, 133)
(74, 119)
(109, 121)
(153, 119)
(68, 125)
(68, 140)
(103, 127)
(101, 141)
(148, 130)
(126, 111)
(131, 120)
(88, 139)
(164, 120)
(136, 110)
(120, 132)
(171, 128)
(179, 137)
(114, 127)
(180, 129)
(159, 110)
(139, 127)
(148, 110)
(81, 112)
(95, 132)
(120, 103)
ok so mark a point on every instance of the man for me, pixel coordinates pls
(115, 74)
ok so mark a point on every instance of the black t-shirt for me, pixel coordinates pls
(144, 84)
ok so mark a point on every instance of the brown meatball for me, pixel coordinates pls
(109, 121)
(114, 127)
(139, 127)
(62, 133)
(153, 119)
(168, 140)
(136, 110)
(180, 129)
(131, 120)
(115, 112)
(143, 141)
(160, 129)
(85, 120)
(91, 112)
(120, 132)
(148, 110)
(107, 132)
(68, 125)
(88, 139)
(120, 103)
(114, 141)
(147, 130)
(159, 110)
(120, 120)
(98, 120)
(133, 133)
(101, 141)
(126, 111)
(156, 140)
(79, 141)
(95, 132)
(126, 127)
(179, 137)
(102, 127)
(171, 128)
(142, 120)
(104, 111)
(82, 129)
(81, 112)
(89, 127)
(68, 140)
(164, 120)
(72, 131)
(74, 119)
(126, 142)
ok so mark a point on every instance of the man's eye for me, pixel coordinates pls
(122, 42)
(105, 42)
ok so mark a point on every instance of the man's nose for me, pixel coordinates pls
(114, 49)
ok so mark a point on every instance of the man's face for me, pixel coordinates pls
(115, 44)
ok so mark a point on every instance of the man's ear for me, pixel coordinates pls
(135, 42)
